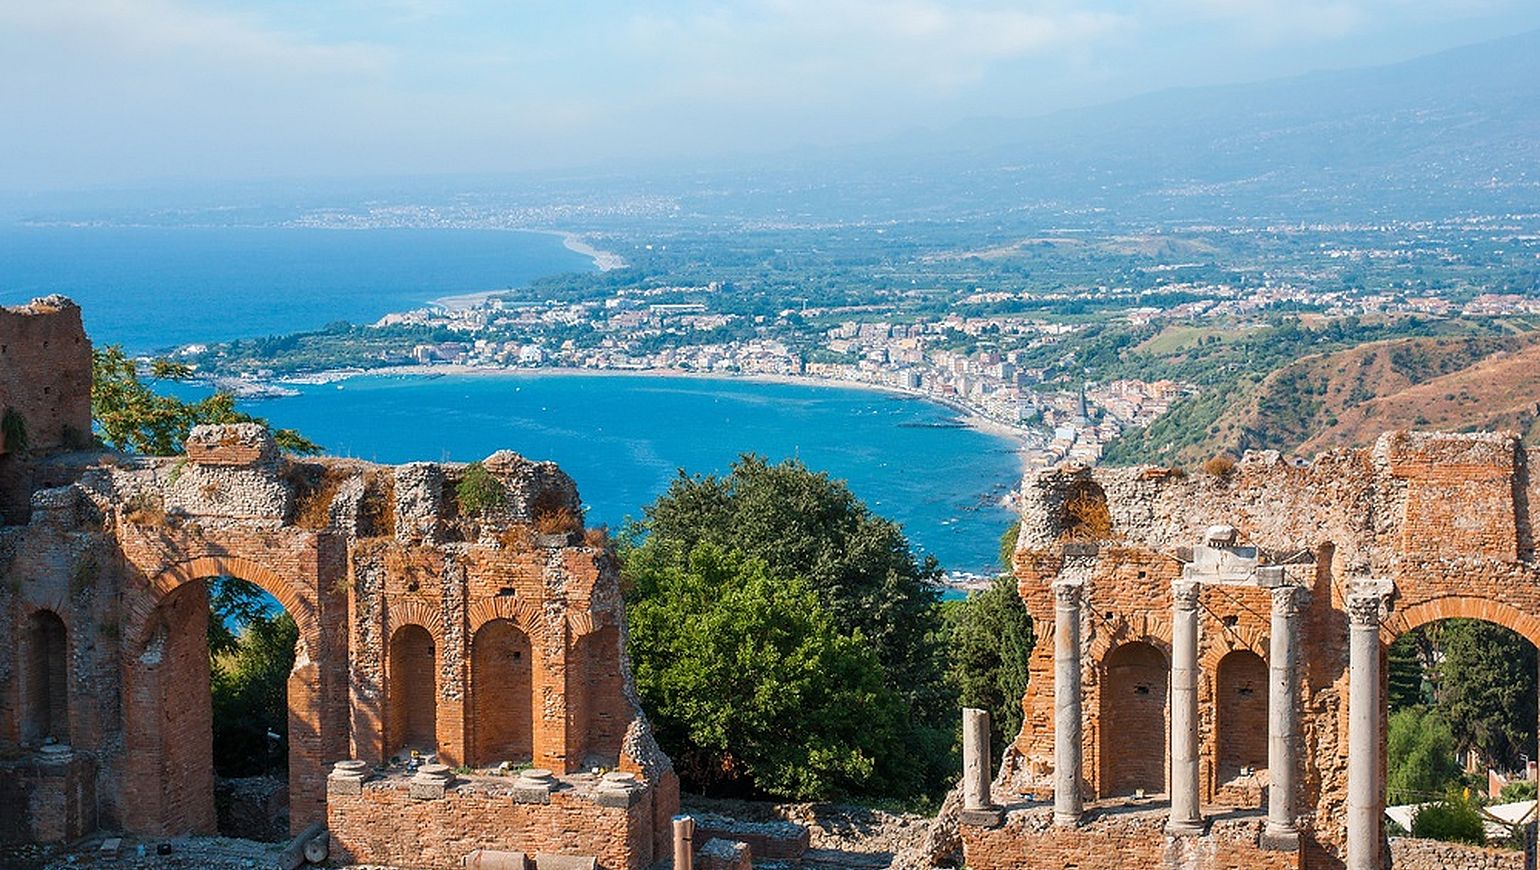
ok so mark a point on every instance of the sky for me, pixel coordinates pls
(129, 92)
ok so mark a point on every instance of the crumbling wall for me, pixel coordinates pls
(1446, 519)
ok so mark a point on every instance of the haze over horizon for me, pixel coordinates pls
(131, 92)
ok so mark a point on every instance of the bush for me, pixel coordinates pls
(1455, 819)
(1219, 466)
(752, 687)
(1518, 790)
(991, 649)
(478, 491)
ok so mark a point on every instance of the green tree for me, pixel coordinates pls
(1486, 689)
(1406, 685)
(802, 523)
(751, 683)
(991, 648)
(249, 683)
(132, 417)
(1420, 754)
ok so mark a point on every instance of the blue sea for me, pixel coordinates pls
(622, 438)
(152, 288)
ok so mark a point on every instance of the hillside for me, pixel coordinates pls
(1349, 397)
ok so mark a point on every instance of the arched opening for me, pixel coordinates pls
(411, 692)
(1133, 720)
(502, 695)
(45, 703)
(216, 671)
(1241, 711)
(1460, 735)
(252, 646)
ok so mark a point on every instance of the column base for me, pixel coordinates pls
(1067, 820)
(1186, 828)
(984, 817)
(1279, 839)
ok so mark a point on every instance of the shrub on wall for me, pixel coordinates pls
(1455, 819)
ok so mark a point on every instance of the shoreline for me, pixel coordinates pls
(1019, 437)
(603, 260)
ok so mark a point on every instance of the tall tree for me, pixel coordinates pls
(991, 649)
(1486, 689)
(751, 684)
(803, 524)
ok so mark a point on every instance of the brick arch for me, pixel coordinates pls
(522, 612)
(1240, 638)
(1402, 620)
(1109, 636)
(399, 614)
(179, 574)
(585, 622)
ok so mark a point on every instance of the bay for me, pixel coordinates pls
(623, 438)
(156, 287)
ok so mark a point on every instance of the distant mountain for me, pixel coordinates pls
(1453, 132)
(1347, 398)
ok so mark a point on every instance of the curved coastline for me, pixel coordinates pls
(1020, 437)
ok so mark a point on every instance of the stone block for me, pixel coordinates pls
(489, 859)
(564, 862)
(719, 854)
(988, 817)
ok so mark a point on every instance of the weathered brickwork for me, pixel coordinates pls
(463, 635)
(1441, 524)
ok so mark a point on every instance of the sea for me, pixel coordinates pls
(623, 438)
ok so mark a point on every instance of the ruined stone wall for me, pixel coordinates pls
(1445, 519)
(1407, 853)
(45, 372)
(118, 550)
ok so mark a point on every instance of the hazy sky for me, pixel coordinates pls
(130, 91)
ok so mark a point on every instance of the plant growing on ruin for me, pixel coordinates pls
(1220, 466)
(1086, 516)
(1455, 819)
(561, 521)
(13, 427)
(478, 491)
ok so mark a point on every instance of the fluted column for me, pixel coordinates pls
(1185, 816)
(1283, 718)
(1366, 790)
(1066, 703)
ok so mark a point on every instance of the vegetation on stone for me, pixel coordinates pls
(478, 491)
(132, 417)
(1456, 818)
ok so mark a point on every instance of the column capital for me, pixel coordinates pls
(1287, 600)
(1368, 602)
(1184, 593)
(1066, 593)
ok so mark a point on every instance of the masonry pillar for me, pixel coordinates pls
(1066, 703)
(975, 759)
(1185, 816)
(1283, 719)
(1366, 790)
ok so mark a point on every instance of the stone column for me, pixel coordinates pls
(975, 759)
(684, 843)
(1185, 816)
(1366, 790)
(1283, 719)
(1066, 703)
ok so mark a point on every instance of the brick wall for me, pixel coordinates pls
(502, 694)
(45, 372)
(384, 824)
(1118, 840)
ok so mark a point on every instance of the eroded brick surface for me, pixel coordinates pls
(423, 626)
(1447, 519)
